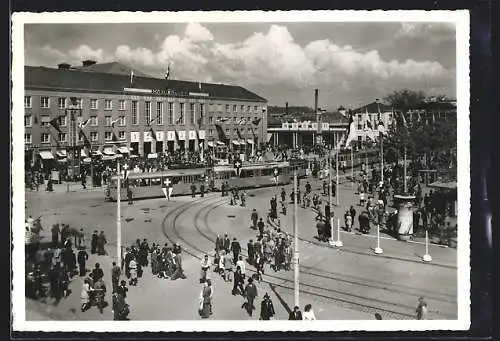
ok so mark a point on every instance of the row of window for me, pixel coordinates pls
(122, 120)
(63, 137)
(62, 103)
(108, 136)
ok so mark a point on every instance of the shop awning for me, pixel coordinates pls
(83, 153)
(123, 150)
(63, 160)
(152, 156)
(108, 151)
(236, 143)
(108, 157)
(210, 144)
(451, 185)
(87, 160)
(220, 143)
(46, 155)
(118, 156)
(96, 152)
(242, 142)
(134, 156)
(61, 153)
(250, 141)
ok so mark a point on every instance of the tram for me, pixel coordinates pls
(149, 185)
(253, 175)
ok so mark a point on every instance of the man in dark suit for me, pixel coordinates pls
(296, 314)
(227, 243)
(236, 249)
(82, 259)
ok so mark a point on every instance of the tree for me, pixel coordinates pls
(405, 100)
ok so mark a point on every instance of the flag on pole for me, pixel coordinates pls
(166, 186)
(222, 135)
(256, 121)
(222, 119)
(153, 134)
(404, 120)
(86, 142)
(113, 122)
(351, 134)
(83, 124)
(381, 128)
(131, 77)
(239, 134)
(114, 138)
(242, 121)
(167, 75)
(55, 122)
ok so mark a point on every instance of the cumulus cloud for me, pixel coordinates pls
(433, 32)
(265, 59)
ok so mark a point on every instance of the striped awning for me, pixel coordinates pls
(108, 151)
(235, 142)
(61, 153)
(46, 155)
(220, 143)
(123, 150)
(210, 144)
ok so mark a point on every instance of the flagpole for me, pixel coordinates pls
(352, 167)
(404, 171)
(337, 178)
(332, 242)
(381, 158)
(118, 215)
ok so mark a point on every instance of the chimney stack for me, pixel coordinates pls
(315, 100)
(286, 108)
(63, 66)
(88, 62)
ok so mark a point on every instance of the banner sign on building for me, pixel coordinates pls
(170, 135)
(285, 125)
(135, 136)
(160, 135)
(147, 136)
(201, 134)
(192, 134)
(325, 126)
(182, 135)
(295, 126)
(315, 126)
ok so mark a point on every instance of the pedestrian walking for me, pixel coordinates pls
(251, 253)
(219, 243)
(130, 195)
(101, 242)
(55, 235)
(308, 313)
(80, 238)
(193, 190)
(261, 226)
(266, 308)
(115, 276)
(236, 249)
(422, 310)
(239, 280)
(205, 266)
(93, 242)
(227, 243)
(82, 259)
(254, 217)
(295, 314)
(133, 272)
(250, 294)
(228, 267)
(206, 294)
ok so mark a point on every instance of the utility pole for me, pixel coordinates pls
(337, 177)
(118, 214)
(330, 190)
(404, 173)
(296, 241)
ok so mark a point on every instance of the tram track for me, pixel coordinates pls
(350, 300)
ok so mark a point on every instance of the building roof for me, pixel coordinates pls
(36, 77)
(326, 117)
(113, 67)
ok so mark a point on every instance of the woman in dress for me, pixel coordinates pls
(308, 313)
(85, 295)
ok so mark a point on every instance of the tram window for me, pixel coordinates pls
(175, 180)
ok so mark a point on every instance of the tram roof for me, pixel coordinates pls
(168, 172)
(254, 166)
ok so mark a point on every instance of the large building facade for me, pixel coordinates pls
(144, 115)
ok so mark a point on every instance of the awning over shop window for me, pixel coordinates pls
(152, 156)
(118, 156)
(87, 160)
(220, 143)
(210, 144)
(236, 143)
(83, 153)
(134, 156)
(63, 160)
(242, 142)
(123, 150)
(250, 141)
(108, 151)
(61, 153)
(108, 157)
(46, 155)
(96, 152)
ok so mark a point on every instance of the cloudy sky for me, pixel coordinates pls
(350, 63)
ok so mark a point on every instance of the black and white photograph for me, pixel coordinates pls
(237, 171)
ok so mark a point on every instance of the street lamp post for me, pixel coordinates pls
(296, 241)
(73, 138)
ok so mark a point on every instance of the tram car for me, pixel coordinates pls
(253, 175)
(150, 185)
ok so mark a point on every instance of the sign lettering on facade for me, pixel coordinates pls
(160, 135)
(135, 136)
(182, 135)
(170, 135)
(202, 134)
